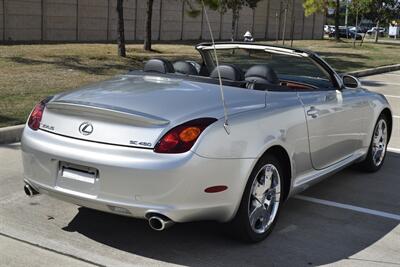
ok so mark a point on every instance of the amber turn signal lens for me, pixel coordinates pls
(189, 134)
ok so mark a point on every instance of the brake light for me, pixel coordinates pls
(36, 115)
(182, 138)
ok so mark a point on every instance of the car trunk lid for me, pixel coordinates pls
(136, 110)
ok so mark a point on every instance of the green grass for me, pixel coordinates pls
(28, 73)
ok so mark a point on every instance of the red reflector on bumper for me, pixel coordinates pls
(216, 189)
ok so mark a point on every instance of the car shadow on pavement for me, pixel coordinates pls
(14, 146)
(306, 233)
(372, 83)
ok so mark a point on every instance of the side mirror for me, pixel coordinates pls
(350, 81)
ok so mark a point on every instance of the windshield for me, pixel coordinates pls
(287, 67)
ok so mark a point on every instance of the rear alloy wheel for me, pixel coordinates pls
(377, 150)
(261, 201)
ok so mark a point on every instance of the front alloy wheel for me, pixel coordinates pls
(379, 142)
(377, 150)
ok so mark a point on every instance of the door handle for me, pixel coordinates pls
(313, 112)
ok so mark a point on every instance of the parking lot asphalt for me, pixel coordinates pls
(349, 219)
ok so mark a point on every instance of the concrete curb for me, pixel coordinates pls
(11, 134)
(378, 70)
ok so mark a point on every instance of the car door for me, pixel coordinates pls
(334, 121)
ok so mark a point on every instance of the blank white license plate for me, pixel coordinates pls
(78, 178)
(85, 177)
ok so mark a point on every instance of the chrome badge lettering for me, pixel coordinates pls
(138, 143)
(47, 127)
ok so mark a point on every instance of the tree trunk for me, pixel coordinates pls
(121, 31)
(235, 15)
(355, 36)
(337, 16)
(377, 32)
(147, 37)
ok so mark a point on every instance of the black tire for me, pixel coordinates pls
(240, 226)
(368, 165)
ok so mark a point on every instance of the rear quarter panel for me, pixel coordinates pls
(281, 123)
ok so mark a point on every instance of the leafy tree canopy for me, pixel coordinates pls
(314, 6)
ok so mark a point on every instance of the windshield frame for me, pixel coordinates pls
(205, 48)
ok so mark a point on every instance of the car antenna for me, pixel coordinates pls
(226, 125)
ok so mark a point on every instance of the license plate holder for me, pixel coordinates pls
(78, 178)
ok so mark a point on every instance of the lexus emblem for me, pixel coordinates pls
(86, 128)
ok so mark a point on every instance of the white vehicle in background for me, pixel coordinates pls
(329, 29)
(394, 31)
(380, 30)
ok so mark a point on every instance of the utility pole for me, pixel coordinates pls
(284, 25)
(347, 13)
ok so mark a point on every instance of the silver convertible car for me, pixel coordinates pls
(228, 139)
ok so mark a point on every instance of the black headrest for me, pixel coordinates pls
(185, 67)
(228, 72)
(159, 65)
(262, 73)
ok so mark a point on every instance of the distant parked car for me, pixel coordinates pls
(355, 29)
(328, 29)
(373, 30)
(363, 28)
(346, 33)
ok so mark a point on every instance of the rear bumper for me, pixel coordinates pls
(133, 181)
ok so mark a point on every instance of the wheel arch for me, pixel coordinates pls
(388, 114)
(283, 157)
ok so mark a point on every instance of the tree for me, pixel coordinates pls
(380, 11)
(235, 6)
(337, 18)
(314, 6)
(357, 8)
(149, 15)
(192, 11)
(121, 31)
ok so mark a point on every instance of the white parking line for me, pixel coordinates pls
(350, 207)
(391, 73)
(392, 149)
(396, 116)
(392, 96)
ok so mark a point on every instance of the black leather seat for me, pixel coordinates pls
(228, 72)
(262, 74)
(184, 67)
(159, 65)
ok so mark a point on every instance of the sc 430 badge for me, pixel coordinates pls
(139, 143)
(47, 127)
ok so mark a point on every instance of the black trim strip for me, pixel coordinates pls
(98, 142)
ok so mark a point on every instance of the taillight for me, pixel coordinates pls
(181, 138)
(36, 115)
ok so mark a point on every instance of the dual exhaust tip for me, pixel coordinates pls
(157, 222)
(30, 191)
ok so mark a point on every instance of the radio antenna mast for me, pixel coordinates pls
(226, 125)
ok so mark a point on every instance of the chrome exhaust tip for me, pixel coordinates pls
(30, 191)
(160, 223)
